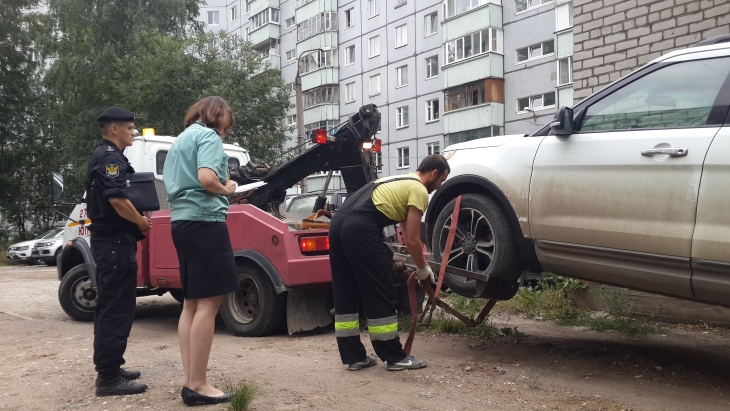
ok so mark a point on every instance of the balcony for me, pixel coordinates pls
(472, 69)
(474, 117)
(322, 112)
(257, 5)
(312, 8)
(261, 35)
(320, 77)
(489, 15)
(324, 40)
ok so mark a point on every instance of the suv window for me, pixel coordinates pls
(160, 161)
(678, 95)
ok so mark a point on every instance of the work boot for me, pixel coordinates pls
(127, 375)
(408, 363)
(120, 387)
(367, 362)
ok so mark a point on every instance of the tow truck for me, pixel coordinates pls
(283, 269)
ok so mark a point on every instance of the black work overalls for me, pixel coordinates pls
(360, 262)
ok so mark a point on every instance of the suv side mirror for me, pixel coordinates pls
(56, 188)
(562, 123)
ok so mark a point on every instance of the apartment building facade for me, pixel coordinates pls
(440, 71)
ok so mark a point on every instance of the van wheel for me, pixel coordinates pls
(77, 297)
(484, 243)
(256, 309)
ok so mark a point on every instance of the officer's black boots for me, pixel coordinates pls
(120, 386)
(128, 375)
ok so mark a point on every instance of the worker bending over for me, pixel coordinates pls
(360, 261)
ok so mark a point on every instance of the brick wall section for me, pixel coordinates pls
(614, 37)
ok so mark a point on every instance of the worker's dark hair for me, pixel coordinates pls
(434, 162)
(212, 111)
(105, 124)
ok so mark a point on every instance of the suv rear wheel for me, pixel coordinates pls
(256, 309)
(484, 243)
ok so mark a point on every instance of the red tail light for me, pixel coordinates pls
(320, 136)
(377, 145)
(314, 244)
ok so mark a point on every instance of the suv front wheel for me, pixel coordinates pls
(484, 243)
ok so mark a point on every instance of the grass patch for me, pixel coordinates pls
(242, 394)
(444, 325)
(4, 258)
(554, 299)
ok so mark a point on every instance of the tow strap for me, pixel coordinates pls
(433, 296)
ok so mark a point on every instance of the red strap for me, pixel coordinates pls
(427, 285)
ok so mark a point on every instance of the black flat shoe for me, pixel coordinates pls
(191, 398)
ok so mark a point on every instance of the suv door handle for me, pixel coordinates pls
(671, 151)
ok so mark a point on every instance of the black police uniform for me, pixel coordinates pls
(360, 262)
(114, 246)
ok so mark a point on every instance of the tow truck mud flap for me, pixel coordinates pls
(308, 307)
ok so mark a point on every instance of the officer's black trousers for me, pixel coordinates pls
(116, 276)
(360, 263)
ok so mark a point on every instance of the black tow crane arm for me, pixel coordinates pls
(343, 153)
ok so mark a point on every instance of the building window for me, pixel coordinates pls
(460, 137)
(374, 85)
(536, 102)
(291, 55)
(329, 125)
(350, 55)
(290, 22)
(317, 24)
(401, 117)
(403, 157)
(523, 5)
(401, 36)
(432, 67)
(536, 50)
(431, 24)
(349, 92)
(401, 76)
(565, 71)
(373, 8)
(432, 110)
(263, 17)
(248, 7)
(303, 2)
(291, 120)
(480, 42)
(374, 46)
(316, 60)
(349, 18)
(291, 87)
(378, 161)
(564, 16)
(433, 148)
(400, 2)
(473, 94)
(321, 95)
(454, 7)
(213, 18)
(234, 13)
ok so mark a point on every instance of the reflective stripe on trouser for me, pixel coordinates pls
(383, 329)
(347, 325)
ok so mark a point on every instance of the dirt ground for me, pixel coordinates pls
(45, 364)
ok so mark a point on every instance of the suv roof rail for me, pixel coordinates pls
(724, 38)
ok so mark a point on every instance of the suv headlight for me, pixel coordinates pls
(46, 244)
(447, 154)
(23, 248)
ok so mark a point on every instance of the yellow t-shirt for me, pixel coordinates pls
(393, 199)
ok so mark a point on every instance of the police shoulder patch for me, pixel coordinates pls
(109, 148)
(112, 170)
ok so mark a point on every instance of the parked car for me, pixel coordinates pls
(630, 187)
(47, 249)
(301, 205)
(22, 252)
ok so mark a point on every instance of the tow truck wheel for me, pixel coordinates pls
(77, 297)
(256, 309)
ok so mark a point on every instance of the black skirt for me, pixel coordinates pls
(207, 266)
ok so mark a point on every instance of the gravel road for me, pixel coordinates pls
(45, 364)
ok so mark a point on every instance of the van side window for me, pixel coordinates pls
(160, 161)
(233, 162)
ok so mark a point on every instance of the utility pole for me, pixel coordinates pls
(300, 112)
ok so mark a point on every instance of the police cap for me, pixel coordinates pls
(116, 113)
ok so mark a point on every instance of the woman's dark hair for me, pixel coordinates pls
(434, 162)
(212, 111)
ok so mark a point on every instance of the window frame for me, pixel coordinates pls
(472, 6)
(293, 24)
(404, 28)
(430, 148)
(432, 115)
(428, 22)
(570, 71)
(529, 52)
(451, 48)
(370, 46)
(399, 71)
(376, 8)
(293, 56)
(293, 117)
(349, 18)
(399, 3)
(350, 54)
(531, 99)
(211, 14)
(370, 85)
(429, 68)
(543, 3)
(403, 157)
(234, 13)
(400, 117)
(350, 95)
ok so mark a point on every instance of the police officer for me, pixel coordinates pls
(360, 261)
(115, 229)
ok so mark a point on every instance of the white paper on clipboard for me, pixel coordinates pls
(248, 187)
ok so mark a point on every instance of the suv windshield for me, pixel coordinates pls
(50, 234)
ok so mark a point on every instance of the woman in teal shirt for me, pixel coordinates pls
(196, 178)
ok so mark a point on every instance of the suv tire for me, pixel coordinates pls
(74, 294)
(256, 309)
(484, 242)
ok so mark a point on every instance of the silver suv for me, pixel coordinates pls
(630, 187)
